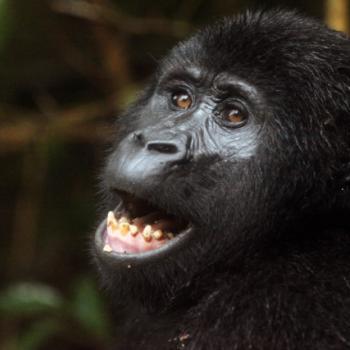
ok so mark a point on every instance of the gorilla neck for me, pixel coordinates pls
(281, 283)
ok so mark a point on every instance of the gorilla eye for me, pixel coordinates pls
(181, 100)
(235, 116)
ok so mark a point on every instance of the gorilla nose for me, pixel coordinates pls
(167, 146)
(143, 156)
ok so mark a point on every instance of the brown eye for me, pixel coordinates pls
(181, 100)
(235, 116)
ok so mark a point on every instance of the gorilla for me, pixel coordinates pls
(228, 193)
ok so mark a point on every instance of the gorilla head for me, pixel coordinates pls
(229, 171)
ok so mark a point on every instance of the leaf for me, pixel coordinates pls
(38, 333)
(29, 299)
(87, 306)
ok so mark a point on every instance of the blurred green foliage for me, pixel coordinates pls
(78, 318)
(5, 23)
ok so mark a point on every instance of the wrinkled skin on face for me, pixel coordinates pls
(243, 133)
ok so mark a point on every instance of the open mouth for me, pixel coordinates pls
(137, 229)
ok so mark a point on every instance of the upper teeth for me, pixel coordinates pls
(111, 220)
(133, 230)
(123, 226)
(147, 233)
(158, 234)
(123, 220)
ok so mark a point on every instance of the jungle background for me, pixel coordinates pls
(67, 68)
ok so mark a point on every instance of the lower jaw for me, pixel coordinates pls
(128, 260)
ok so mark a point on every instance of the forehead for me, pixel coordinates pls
(219, 81)
(222, 57)
(261, 42)
(280, 54)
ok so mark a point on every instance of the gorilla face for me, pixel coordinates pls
(238, 139)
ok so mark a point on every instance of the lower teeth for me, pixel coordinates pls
(107, 248)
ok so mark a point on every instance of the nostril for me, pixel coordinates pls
(162, 147)
(137, 137)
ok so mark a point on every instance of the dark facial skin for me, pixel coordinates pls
(173, 156)
(243, 132)
(168, 136)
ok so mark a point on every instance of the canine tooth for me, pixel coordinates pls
(147, 233)
(111, 221)
(107, 248)
(158, 234)
(133, 230)
(124, 228)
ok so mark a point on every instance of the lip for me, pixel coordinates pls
(128, 260)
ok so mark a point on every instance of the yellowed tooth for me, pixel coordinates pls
(107, 248)
(158, 234)
(124, 228)
(111, 221)
(133, 230)
(170, 235)
(147, 233)
(123, 220)
(111, 232)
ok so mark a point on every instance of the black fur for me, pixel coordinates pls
(269, 267)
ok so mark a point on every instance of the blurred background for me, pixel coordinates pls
(67, 68)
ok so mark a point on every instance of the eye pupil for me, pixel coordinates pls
(182, 100)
